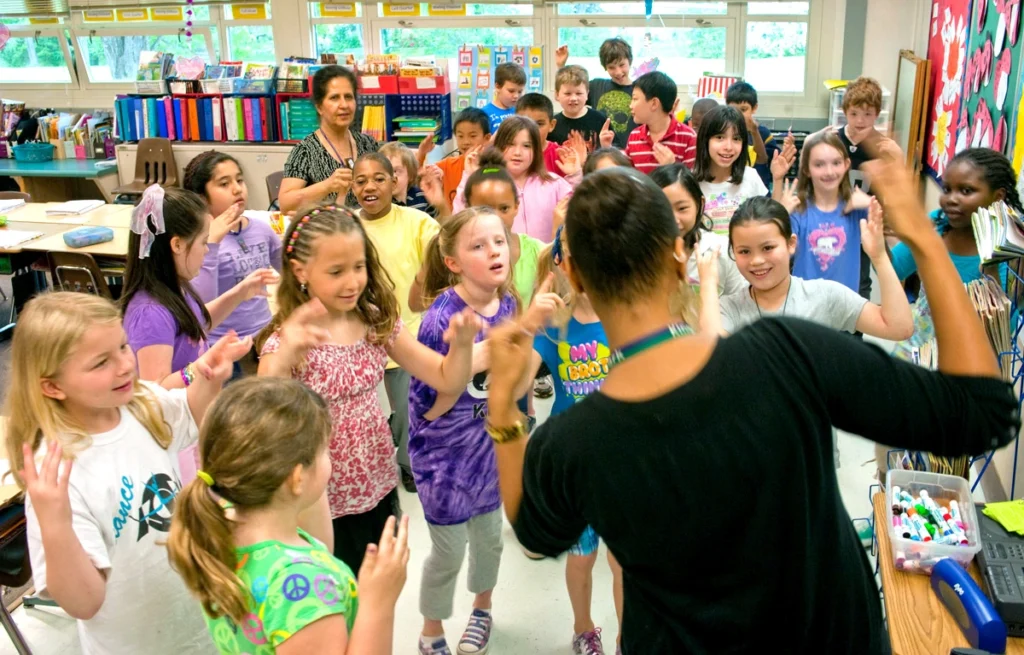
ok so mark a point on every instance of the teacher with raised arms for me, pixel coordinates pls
(319, 168)
(705, 463)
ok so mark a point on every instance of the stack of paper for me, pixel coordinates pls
(11, 238)
(999, 233)
(10, 205)
(993, 307)
(1009, 514)
(73, 207)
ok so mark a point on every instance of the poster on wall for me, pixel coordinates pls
(992, 77)
(947, 52)
(475, 81)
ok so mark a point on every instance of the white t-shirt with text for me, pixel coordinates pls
(122, 491)
(721, 199)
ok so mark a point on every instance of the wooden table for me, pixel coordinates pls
(918, 621)
(63, 179)
(118, 248)
(106, 215)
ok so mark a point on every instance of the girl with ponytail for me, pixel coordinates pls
(236, 541)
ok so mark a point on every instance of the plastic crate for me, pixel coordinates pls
(33, 152)
(151, 87)
(182, 87)
(921, 556)
(427, 104)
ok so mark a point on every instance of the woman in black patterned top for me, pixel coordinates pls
(320, 167)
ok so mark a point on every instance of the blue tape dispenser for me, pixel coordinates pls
(88, 236)
(970, 607)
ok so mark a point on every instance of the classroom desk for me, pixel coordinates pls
(918, 621)
(63, 179)
(54, 242)
(107, 216)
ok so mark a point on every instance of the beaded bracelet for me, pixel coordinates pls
(188, 374)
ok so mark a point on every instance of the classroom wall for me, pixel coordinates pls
(891, 26)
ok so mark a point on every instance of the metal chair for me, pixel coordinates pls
(274, 188)
(154, 164)
(15, 195)
(77, 271)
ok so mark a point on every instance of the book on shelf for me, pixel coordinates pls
(999, 233)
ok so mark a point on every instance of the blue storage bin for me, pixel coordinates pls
(33, 152)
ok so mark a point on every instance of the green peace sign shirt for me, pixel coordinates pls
(290, 587)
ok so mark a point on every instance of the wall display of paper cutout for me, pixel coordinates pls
(476, 71)
(992, 79)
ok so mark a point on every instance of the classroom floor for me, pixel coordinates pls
(531, 606)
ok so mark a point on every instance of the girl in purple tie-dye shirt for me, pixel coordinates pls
(452, 456)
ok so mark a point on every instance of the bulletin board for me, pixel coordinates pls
(992, 77)
(475, 84)
(947, 52)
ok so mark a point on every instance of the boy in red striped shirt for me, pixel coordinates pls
(660, 139)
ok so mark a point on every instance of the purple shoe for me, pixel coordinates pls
(477, 635)
(588, 643)
(438, 647)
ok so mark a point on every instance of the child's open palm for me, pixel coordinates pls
(891, 181)
(303, 330)
(216, 364)
(255, 284)
(472, 160)
(382, 575)
(789, 199)
(463, 328)
(782, 160)
(569, 160)
(872, 231)
(47, 487)
(577, 143)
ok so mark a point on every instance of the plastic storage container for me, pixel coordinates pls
(33, 152)
(921, 556)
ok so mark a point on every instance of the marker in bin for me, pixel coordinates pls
(922, 520)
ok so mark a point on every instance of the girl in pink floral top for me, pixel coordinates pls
(336, 325)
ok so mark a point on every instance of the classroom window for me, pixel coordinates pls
(247, 11)
(778, 8)
(338, 38)
(116, 58)
(445, 42)
(37, 60)
(776, 54)
(682, 53)
(637, 8)
(334, 10)
(253, 43)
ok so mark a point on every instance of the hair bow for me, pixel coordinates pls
(151, 207)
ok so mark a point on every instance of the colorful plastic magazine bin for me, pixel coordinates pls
(921, 556)
(33, 152)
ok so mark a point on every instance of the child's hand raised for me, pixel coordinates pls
(707, 268)
(568, 161)
(227, 221)
(872, 231)
(255, 284)
(782, 160)
(858, 200)
(463, 328)
(892, 182)
(426, 146)
(789, 198)
(382, 575)
(561, 55)
(303, 330)
(432, 187)
(511, 350)
(544, 306)
(607, 134)
(47, 488)
(577, 143)
(217, 363)
(472, 162)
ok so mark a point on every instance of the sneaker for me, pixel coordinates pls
(588, 643)
(544, 387)
(408, 482)
(438, 647)
(477, 635)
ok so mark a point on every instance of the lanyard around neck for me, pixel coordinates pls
(668, 333)
(344, 162)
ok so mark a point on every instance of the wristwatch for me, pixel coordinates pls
(508, 433)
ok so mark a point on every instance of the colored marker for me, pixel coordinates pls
(908, 530)
(919, 524)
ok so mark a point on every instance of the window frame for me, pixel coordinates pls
(62, 32)
(83, 30)
(223, 24)
(309, 23)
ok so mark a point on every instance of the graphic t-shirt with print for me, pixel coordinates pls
(452, 456)
(613, 101)
(122, 492)
(828, 245)
(722, 198)
(363, 464)
(579, 361)
(291, 587)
